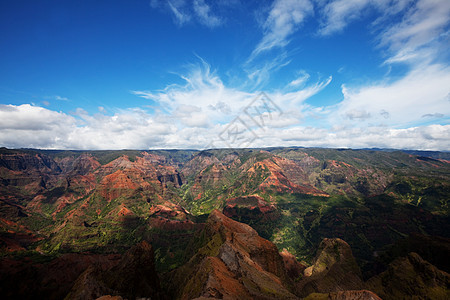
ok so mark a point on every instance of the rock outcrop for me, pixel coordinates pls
(251, 207)
(233, 262)
(345, 295)
(293, 267)
(133, 277)
(412, 277)
(334, 269)
(44, 279)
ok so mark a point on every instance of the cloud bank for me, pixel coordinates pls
(205, 113)
(137, 129)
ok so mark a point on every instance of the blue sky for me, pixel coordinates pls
(186, 74)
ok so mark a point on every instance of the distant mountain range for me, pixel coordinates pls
(273, 223)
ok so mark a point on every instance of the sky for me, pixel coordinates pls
(200, 74)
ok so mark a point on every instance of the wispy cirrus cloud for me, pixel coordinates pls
(205, 15)
(338, 14)
(46, 102)
(185, 12)
(287, 97)
(416, 40)
(413, 38)
(284, 19)
(181, 17)
(417, 36)
(302, 78)
(260, 73)
(214, 97)
(60, 98)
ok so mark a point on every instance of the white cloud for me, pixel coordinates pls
(400, 103)
(217, 103)
(186, 12)
(355, 114)
(59, 98)
(387, 113)
(302, 78)
(204, 14)
(46, 102)
(129, 129)
(260, 74)
(222, 107)
(204, 89)
(198, 114)
(338, 14)
(188, 116)
(180, 17)
(284, 18)
(299, 96)
(143, 94)
(414, 38)
(31, 126)
(191, 116)
(432, 137)
(410, 39)
(435, 115)
(37, 127)
(32, 118)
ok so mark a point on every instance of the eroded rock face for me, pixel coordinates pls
(345, 295)
(170, 217)
(82, 165)
(89, 286)
(109, 297)
(434, 249)
(353, 295)
(334, 269)
(30, 172)
(121, 177)
(234, 263)
(411, 276)
(280, 177)
(29, 162)
(293, 267)
(133, 277)
(26, 279)
(217, 281)
(251, 207)
(199, 162)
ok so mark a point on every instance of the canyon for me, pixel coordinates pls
(275, 223)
